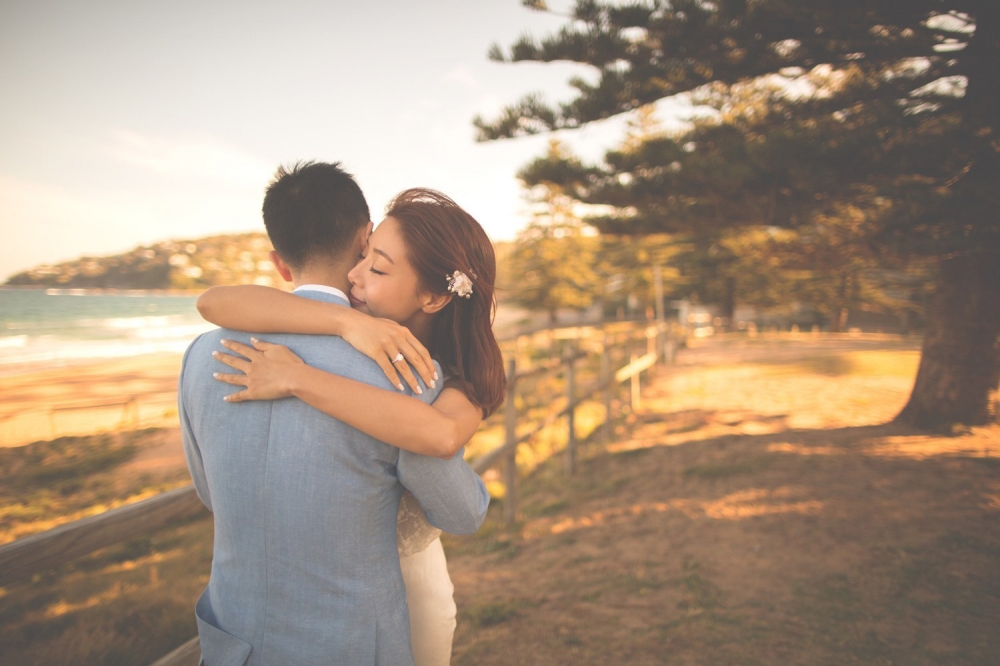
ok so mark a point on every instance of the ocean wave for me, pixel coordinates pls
(46, 329)
(53, 350)
(140, 326)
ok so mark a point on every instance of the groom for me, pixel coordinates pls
(305, 568)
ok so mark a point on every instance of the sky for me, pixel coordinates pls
(126, 123)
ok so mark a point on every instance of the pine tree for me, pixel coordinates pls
(554, 257)
(872, 120)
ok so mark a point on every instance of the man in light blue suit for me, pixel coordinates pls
(305, 568)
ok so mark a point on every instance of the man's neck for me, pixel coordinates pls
(329, 278)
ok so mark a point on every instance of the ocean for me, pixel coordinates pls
(55, 327)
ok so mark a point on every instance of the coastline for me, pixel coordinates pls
(87, 291)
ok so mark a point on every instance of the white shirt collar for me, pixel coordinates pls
(326, 289)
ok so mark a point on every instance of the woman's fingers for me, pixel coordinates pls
(389, 368)
(236, 362)
(238, 347)
(403, 368)
(263, 374)
(418, 356)
(412, 356)
(261, 345)
(272, 350)
(237, 397)
(237, 380)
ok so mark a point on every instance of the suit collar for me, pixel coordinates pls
(319, 291)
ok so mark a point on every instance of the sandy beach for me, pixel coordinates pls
(43, 403)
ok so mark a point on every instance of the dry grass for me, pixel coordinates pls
(46, 484)
(754, 511)
(749, 514)
(127, 604)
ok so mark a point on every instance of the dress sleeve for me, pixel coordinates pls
(413, 532)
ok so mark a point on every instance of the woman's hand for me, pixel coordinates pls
(383, 340)
(268, 370)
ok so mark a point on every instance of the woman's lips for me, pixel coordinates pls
(354, 301)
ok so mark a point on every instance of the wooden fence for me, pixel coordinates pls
(47, 550)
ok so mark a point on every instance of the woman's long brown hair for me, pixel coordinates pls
(442, 238)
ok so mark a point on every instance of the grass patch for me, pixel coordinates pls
(127, 604)
(882, 363)
(699, 593)
(947, 588)
(67, 459)
(722, 470)
(492, 613)
(45, 484)
(550, 508)
(830, 366)
(633, 453)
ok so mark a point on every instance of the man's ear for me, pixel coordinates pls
(280, 266)
(361, 236)
(431, 303)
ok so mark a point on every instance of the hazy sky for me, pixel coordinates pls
(130, 122)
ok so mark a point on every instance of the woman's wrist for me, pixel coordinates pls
(344, 320)
(296, 380)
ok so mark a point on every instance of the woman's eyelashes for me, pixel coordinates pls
(362, 257)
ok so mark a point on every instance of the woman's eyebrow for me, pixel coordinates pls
(383, 253)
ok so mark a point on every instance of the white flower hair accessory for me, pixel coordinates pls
(460, 284)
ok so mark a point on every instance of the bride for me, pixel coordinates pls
(423, 288)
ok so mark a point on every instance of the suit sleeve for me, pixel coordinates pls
(452, 495)
(192, 452)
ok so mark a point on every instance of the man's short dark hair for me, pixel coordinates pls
(312, 210)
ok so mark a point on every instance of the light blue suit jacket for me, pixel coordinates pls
(305, 568)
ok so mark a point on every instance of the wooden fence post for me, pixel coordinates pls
(570, 416)
(634, 398)
(510, 467)
(669, 348)
(608, 384)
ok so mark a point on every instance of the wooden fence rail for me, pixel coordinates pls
(47, 550)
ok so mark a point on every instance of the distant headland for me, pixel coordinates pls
(167, 265)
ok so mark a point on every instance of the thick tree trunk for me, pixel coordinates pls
(960, 363)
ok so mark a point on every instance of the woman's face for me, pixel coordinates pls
(383, 283)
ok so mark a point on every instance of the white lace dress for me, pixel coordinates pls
(429, 591)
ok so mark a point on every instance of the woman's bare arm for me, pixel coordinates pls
(258, 309)
(273, 371)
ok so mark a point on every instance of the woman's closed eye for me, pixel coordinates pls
(362, 257)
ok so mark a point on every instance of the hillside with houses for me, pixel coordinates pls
(171, 264)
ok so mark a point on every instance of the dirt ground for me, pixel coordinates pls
(755, 510)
